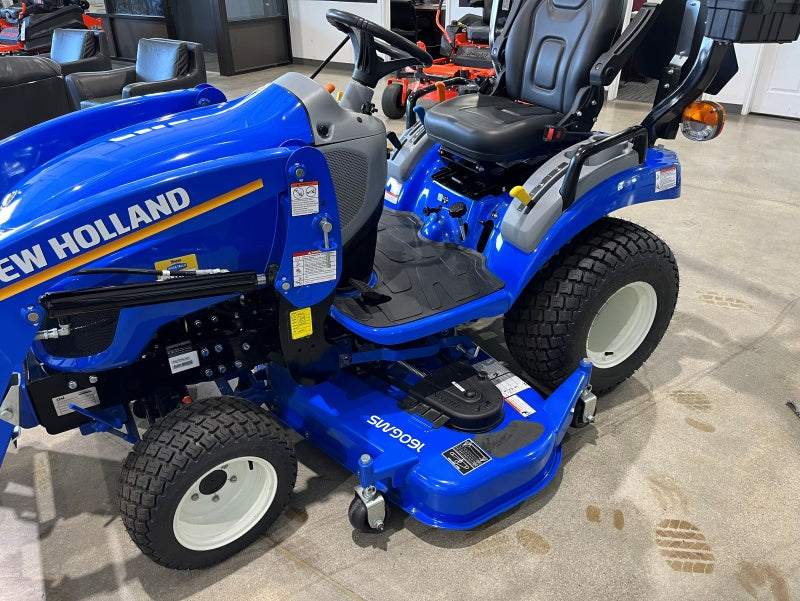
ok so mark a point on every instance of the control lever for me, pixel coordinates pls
(427, 211)
(457, 210)
(326, 227)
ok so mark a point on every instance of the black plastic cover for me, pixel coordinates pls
(753, 21)
(466, 396)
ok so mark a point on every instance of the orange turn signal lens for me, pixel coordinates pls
(703, 120)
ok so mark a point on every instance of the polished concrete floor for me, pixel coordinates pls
(698, 446)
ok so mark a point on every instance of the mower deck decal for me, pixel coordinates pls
(132, 238)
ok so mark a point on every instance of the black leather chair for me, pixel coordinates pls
(161, 66)
(403, 19)
(549, 50)
(31, 91)
(77, 50)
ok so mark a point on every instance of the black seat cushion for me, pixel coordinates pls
(478, 34)
(488, 128)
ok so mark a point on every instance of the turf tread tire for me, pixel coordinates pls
(546, 328)
(178, 442)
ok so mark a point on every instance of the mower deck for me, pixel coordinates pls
(409, 450)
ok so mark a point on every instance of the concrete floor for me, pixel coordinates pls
(699, 441)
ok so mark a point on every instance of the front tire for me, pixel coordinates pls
(392, 101)
(205, 482)
(608, 295)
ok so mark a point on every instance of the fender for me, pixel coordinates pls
(634, 186)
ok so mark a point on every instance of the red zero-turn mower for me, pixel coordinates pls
(27, 27)
(465, 47)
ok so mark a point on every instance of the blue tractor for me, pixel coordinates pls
(267, 249)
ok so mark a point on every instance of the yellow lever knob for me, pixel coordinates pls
(521, 194)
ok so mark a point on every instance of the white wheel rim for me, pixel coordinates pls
(215, 512)
(621, 325)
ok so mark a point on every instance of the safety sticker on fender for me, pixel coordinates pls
(466, 456)
(666, 179)
(305, 198)
(82, 398)
(393, 188)
(313, 267)
(507, 383)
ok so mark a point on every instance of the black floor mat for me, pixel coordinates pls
(421, 277)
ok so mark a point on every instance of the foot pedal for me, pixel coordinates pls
(369, 295)
(458, 396)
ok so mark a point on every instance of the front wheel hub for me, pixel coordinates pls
(225, 503)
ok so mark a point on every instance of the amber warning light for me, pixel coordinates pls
(703, 121)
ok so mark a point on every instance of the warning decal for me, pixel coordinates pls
(305, 198)
(666, 179)
(507, 383)
(393, 188)
(466, 456)
(81, 398)
(300, 323)
(313, 267)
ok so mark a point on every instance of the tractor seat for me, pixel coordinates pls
(478, 34)
(548, 50)
(488, 128)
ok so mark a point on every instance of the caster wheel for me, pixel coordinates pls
(206, 481)
(392, 101)
(357, 515)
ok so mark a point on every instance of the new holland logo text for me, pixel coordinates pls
(396, 433)
(92, 234)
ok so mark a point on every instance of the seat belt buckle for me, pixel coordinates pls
(553, 133)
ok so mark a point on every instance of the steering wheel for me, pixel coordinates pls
(368, 39)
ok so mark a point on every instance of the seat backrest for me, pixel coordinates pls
(551, 46)
(73, 44)
(402, 14)
(15, 70)
(487, 11)
(160, 59)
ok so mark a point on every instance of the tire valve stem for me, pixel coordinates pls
(195, 496)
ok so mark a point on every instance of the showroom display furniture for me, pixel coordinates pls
(32, 82)
(161, 65)
(78, 50)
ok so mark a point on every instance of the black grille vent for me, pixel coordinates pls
(348, 170)
(90, 333)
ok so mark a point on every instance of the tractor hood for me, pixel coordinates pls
(267, 118)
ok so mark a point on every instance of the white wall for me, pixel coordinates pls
(737, 89)
(314, 38)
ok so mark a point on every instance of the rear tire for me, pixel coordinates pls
(608, 295)
(392, 101)
(205, 482)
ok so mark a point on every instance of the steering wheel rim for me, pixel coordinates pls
(366, 37)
